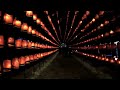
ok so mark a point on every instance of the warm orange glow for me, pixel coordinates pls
(8, 18)
(24, 26)
(10, 41)
(31, 57)
(29, 29)
(93, 20)
(33, 32)
(97, 16)
(29, 45)
(106, 22)
(106, 59)
(22, 60)
(34, 17)
(24, 43)
(33, 44)
(103, 58)
(112, 61)
(7, 64)
(27, 59)
(17, 23)
(29, 13)
(111, 31)
(1, 40)
(118, 62)
(38, 21)
(15, 63)
(102, 25)
(18, 43)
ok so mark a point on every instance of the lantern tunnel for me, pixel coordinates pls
(55, 44)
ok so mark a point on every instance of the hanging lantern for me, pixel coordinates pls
(34, 17)
(27, 59)
(24, 27)
(37, 33)
(10, 41)
(15, 63)
(17, 23)
(101, 12)
(8, 18)
(33, 32)
(24, 44)
(1, 41)
(33, 44)
(111, 31)
(7, 65)
(31, 58)
(38, 21)
(18, 43)
(29, 45)
(29, 30)
(29, 13)
(87, 13)
(22, 61)
(97, 16)
(112, 61)
(106, 59)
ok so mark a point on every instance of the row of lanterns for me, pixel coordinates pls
(24, 27)
(111, 32)
(48, 16)
(93, 20)
(16, 62)
(103, 58)
(102, 46)
(39, 22)
(19, 43)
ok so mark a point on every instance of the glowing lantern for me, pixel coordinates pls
(7, 65)
(103, 58)
(106, 34)
(112, 61)
(8, 18)
(31, 57)
(106, 59)
(22, 61)
(29, 29)
(27, 59)
(101, 25)
(29, 45)
(24, 27)
(24, 44)
(33, 44)
(97, 16)
(34, 17)
(1, 41)
(10, 41)
(18, 43)
(38, 21)
(17, 23)
(15, 63)
(106, 22)
(93, 20)
(29, 13)
(101, 12)
(87, 12)
(111, 31)
(33, 32)
(118, 62)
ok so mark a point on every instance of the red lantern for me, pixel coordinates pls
(31, 57)
(1, 41)
(33, 44)
(18, 43)
(29, 13)
(17, 23)
(22, 61)
(8, 18)
(38, 21)
(7, 65)
(29, 29)
(15, 63)
(106, 59)
(10, 41)
(24, 27)
(24, 44)
(34, 17)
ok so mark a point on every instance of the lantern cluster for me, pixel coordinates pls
(16, 62)
(8, 19)
(39, 22)
(102, 58)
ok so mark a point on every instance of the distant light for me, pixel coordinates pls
(29, 13)
(111, 31)
(93, 20)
